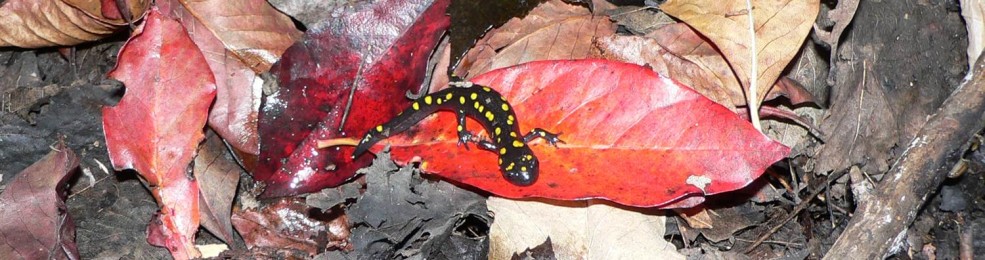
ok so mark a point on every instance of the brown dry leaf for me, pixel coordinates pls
(697, 218)
(552, 30)
(47, 23)
(252, 29)
(577, 230)
(217, 177)
(781, 27)
(721, 223)
(678, 52)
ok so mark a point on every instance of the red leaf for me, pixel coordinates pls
(34, 222)
(316, 75)
(632, 136)
(158, 124)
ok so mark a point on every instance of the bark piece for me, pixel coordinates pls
(879, 225)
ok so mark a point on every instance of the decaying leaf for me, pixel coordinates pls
(402, 215)
(287, 224)
(577, 230)
(34, 221)
(46, 23)
(156, 127)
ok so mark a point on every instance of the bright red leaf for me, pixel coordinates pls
(631, 136)
(34, 221)
(158, 124)
(387, 43)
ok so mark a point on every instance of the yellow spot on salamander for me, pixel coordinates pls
(490, 116)
(502, 150)
(513, 134)
(476, 105)
(510, 118)
(427, 100)
(506, 107)
(379, 128)
(517, 143)
(474, 96)
(487, 89)
(416, 106)
(500, 161)
(460, 128)
(499, 140)
(439, 101)
(498, 130)
(481, 107)
(523, 169)
(461, 100)
(508, 168)
(448, 96)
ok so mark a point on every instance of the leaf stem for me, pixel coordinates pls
(752, 99)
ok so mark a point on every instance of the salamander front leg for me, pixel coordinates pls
(551, 138)
(464, 136)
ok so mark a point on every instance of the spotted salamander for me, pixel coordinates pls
(516, 160)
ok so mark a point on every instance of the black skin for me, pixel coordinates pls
(516, 160)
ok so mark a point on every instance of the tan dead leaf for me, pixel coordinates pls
(679, 52)
(46, 23)
(552, 30)
(218, 176)
(212, 250)
(781, 27)
(697, 218)
(973, 12)
(577, 230)
(252, 29)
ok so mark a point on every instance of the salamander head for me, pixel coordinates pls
(521, 170)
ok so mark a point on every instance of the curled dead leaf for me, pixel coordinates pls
(46, 23)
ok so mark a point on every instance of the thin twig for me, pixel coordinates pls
(789, 244)
(352, 94)
(793, 213)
